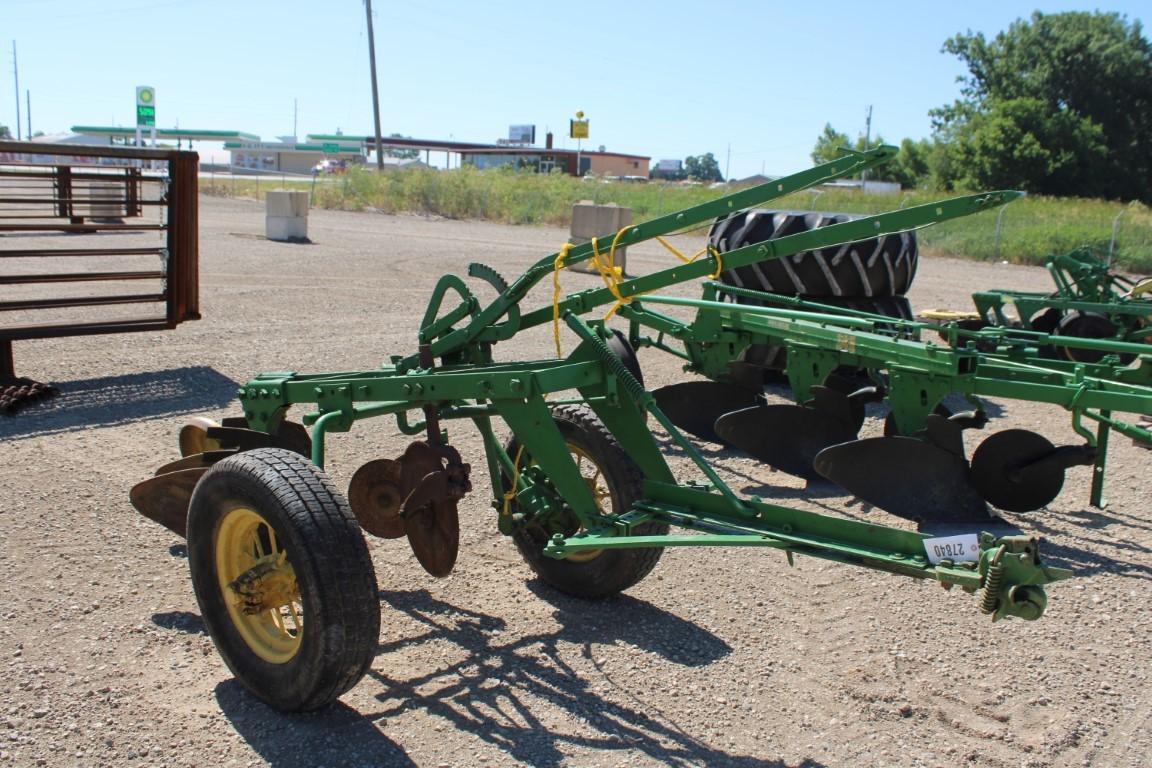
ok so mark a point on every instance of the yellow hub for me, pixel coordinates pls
(594, 479)
(259, 586)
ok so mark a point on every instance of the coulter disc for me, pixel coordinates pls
(375, 497)
(1007, 471)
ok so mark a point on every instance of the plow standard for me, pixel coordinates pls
(278, 560)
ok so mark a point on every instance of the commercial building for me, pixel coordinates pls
(530, 158)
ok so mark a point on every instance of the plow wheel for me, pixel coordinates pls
(283, 578)
(615, 482)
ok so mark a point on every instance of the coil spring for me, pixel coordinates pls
(633, 387)
(990, 596)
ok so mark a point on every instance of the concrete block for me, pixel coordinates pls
(602, 221)
(286, 227)
(287, 202)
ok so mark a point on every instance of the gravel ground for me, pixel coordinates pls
(720, 657)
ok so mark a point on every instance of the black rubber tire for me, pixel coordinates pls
(611, 570)
(877, 267)
(333, 571)
(1088, 325)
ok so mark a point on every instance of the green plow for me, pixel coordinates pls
(278, 560)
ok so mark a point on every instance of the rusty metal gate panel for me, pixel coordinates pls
(95, 240)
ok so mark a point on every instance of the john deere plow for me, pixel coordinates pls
(284, 580)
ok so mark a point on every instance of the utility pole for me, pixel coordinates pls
(28, 98)
(728, 161)
(16, 74)
(375, 90)
(867, 141)
(295, 111)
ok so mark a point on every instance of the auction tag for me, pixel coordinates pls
(964, 548)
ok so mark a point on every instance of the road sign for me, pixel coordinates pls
(578, 129)
(145, 105)
(331, 148)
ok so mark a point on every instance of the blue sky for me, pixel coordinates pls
(752, 82)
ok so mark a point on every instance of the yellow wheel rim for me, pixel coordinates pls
(593, 478)
(259, 586)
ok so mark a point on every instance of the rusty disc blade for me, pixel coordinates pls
(164, 498)
(194, 436)
(434, 535)
(375, 497)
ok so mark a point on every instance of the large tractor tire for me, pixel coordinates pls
(877, 267)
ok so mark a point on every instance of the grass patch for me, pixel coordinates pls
(1027, 232)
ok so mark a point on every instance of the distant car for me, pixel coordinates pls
(328, 166)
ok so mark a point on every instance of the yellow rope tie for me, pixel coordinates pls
(613, 275)
(708, 249)
(556, 267)
(511, 492)
(610, 273)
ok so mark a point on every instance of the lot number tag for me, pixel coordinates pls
(964, 548)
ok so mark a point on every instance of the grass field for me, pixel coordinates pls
(1024, 232)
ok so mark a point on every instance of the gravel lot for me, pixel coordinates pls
(719, 658)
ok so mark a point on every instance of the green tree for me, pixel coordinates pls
(5, 134)
(703, 168)
(911, 168)
(828, 145)
(1060, 102)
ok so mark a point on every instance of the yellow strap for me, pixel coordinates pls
(613, 275)
(511, 492)
(556, 267)
(708, 249)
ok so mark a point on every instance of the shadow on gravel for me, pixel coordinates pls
(182, 621)
(1116, 555)
(510, 693)
(113, 400)
(338, 735)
